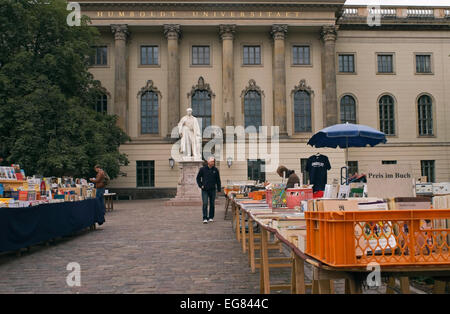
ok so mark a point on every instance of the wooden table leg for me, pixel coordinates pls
(251, 245)
(243, 233)
(353, 285)
(391, 285)
(293, 275)
(238, 226)
(227, 203)
(264, 268)
(315, 286)
(439, 287)
(404, 285)
(324, 286)
(299, 275)
(233, 215)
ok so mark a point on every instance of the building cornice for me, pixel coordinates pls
(337, 5)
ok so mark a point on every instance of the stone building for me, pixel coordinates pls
(298, 65)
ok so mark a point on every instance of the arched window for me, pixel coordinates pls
(101, 104)
(252, 109)
(348, 109)
(201, 107)
(387, 115)
(149, 113)
(302, 111)
(201, 97)
(425, 115)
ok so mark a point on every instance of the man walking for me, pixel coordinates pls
(208, 179)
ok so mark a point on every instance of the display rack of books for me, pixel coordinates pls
(16, 190)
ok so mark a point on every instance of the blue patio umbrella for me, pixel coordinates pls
(347, 135)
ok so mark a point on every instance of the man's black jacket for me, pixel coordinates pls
(208, 178)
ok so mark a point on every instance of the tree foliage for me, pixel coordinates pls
(47, 95)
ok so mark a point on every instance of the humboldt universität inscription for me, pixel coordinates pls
(196, 14)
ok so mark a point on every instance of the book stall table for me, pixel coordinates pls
(288, 228)
(22, 227)
(109, 205)
(257, 212)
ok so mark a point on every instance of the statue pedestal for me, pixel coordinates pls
(188, 192)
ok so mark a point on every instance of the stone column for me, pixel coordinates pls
(226, 35)
(120, 32)
(330, 106)
(279, 77)
(173, 33)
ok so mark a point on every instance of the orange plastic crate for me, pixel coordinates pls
(257, 195)
(398, 237)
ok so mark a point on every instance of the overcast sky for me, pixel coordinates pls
(445, 3)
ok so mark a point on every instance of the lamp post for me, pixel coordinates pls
(229, 162)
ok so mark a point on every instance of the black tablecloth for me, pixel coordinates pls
(22, 227)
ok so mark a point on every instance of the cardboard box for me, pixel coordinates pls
(441, 188)
(292, 223)
(424, 188)
(312, 205)
(421, 179)
(412, 203)
(302, 241)
(373, 206)
(327, 205)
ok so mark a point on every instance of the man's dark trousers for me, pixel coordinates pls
(211, 194)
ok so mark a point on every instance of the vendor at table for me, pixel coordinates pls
(99, 181)
(290, 174)
(2, 161)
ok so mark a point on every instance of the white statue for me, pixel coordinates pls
(191, 136)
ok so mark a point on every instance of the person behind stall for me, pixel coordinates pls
(2, 162)
(292, 178)
(99, 181)
(208, 178)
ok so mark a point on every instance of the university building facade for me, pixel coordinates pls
(298, 65)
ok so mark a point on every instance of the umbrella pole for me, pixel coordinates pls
(346, 160)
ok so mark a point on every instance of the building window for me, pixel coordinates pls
(101, 104)
(252, 55)
(145, 173)
(149, 113)
(425, 115)
(389, 162)
(387, 116)
(256, 170)
(352, 167)
(427, 169)
(252, 109)
(348, 109)
(100, 56)
(347, 63)
(385, 63)
(301, 55)
(302, 111)
(149, 55)
(305, 174)
(200, 55)
(201, 107)
(423, 63)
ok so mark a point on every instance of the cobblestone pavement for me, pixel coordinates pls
(143, 247)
